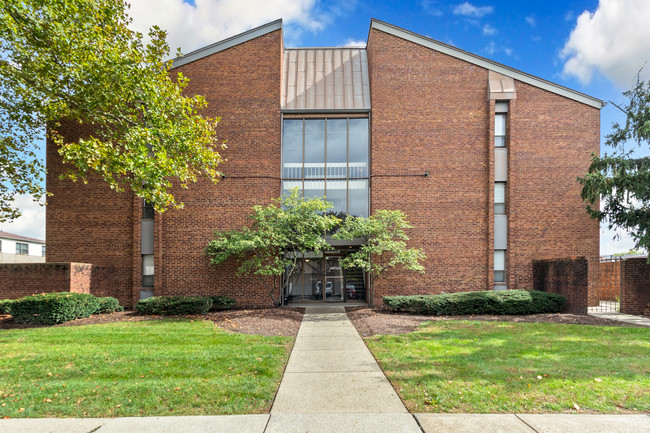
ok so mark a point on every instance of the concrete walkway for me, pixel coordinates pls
(622, 317)
(332, 384)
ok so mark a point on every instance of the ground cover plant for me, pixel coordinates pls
(492, 367)
(481, 302)
(146, 368)
(53, 308)
(174, 305)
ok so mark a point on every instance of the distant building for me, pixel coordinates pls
(21, 249)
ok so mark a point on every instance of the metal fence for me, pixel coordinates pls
(608, 293)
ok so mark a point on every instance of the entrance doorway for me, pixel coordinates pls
(321, 278)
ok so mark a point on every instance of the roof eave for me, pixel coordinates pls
(227, 43)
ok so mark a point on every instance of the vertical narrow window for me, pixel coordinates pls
(147, 270)
(147, 210)
(43, 250)
(500, 198)
(337, 148)
(337, 191)
(358, 153)
(314, 149)
(358, 197)
(147, 244)
(500, 130)
(499, 266)
(292, 149)
(500, 176)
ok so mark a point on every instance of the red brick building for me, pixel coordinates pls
(483, 159)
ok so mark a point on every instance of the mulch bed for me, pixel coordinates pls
(286, 321)
(371, 321)
(263, 321)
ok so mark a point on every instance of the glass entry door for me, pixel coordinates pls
(320, 278)
(334, 279)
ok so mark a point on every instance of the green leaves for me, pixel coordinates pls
(294, 225)
(620, 181)
(385, 243)
(66, 62)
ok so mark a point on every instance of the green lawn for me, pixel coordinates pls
(491, 367)
(168, 367)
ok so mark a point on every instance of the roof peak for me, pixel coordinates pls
(485, 63)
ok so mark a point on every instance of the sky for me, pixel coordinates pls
(593, 46)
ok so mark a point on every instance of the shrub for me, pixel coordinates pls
(222, 303)
(485, 302)
(108, 305)
(170, 305)
(53, 308)
(5, 305)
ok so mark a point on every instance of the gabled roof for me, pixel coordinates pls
(486, 63)
(406, 35)
(5, 235)
(227, 43)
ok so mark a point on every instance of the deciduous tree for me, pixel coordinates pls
(78, 61)
(384, 244)
(279, 234)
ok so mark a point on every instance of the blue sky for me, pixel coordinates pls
(593, 46)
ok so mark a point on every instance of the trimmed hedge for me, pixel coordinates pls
(174, 305)
(108, 305)
(53, 308)
(5, 305)
(222, 303)
(485, 302)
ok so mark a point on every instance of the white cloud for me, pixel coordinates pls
(488, 30)
(356, 44)
(492, 48)
(614, 241)
(569, 16)
(430, 8)
(531, 20)
(208, 21)
(613, 40)
(469, 10)
(32, 221)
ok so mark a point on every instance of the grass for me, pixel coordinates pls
(496, 367)
(167, 367)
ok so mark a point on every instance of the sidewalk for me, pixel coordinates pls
(332, 384)
(622, 317)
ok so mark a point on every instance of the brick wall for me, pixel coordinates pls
(567, 277)
(430, 113)
(18, 280)
(635, 285)
(89, 223)
(242, 86)
(551, 141)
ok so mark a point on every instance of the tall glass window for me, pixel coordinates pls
(500, 130)
(328, 157)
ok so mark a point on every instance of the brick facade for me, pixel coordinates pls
(430, 112)
(635, 285)
(566, 277)
(242, 86)
(26, 279)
